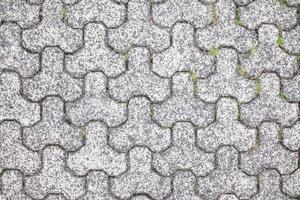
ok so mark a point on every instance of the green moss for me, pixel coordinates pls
(241, 71)
(280, 39)
(214, 51)
(195, 82)
(257, 87)
(127, 53)
(298, 58)
(214, 14)
(283, 2)
(64, 12)
(283, 95)
(253, 50)
(238, 20)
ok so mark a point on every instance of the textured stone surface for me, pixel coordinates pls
(139, 80)
(183, 55)
(169, 12)
(226, 130)
(183, 154)
(54, 178)
(109, 12)
(95, 55)
(291, 184)
(96, 154)
(226, 81)
(183, 105)
(139, 29)
(268, 11)
(139, 129)
(21, 12)
(269, 186)
(149, 100)
(269, 153)
(225, 32)
(96, 103)
(268, 57)
(227, 177)
(53, 128)
(52, 31)
(13, 155)
(269, 106)
(11, 187)
(12, 56)
(12, 105)
(52, 80)
(140, 178)
(291, 137)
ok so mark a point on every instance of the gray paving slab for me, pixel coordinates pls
(149, 99)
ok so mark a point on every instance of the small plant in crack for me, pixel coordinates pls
(214, 51)
(253, 50)
(241, 71)
(195, 82)
(214, 14)
(257, 87)
(283, 95)
(64, 12)
(238, 20)
(126, 54)
(283, 2)
(280, 39)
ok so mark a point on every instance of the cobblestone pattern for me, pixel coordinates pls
(149, 99)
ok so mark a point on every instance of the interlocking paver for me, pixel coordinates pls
(269, 184)
(268, 57)
(95, 55)
(13, 154)
(52, 31)
(139, 29)
(225, 31)
(109, 12)
(11, 186)
(12, 56)
(139, 79)
(52, 80)
(12, 105)
(96, 154)
(268, 11)
(291, 40)
(269, 106)
(183, 55)
(53, 128)
(227, 177)
(54, 177)
(269, 153)
(96, 103)
(183, 153)
(184, 186)
(139, 129)
(291, 137)
(97, 186)
(195, 12)
(140, 179)
(149, 99)
(291, 184)
(183, 105)
(226, 81)
(291, 88)
(226, 130)
(25, 14)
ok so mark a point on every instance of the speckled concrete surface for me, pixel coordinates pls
(149, 99)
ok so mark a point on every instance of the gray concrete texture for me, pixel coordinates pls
(149, 99)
